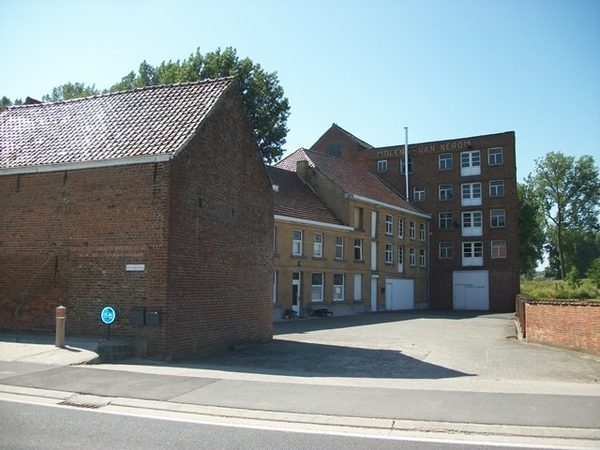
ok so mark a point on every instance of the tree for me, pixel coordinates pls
(568, 192)
(531, 231)
(266, 105)
(69, 91)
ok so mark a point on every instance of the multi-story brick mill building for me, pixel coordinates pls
(469, 187)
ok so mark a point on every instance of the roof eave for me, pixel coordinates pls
(87, 164)
(387, 205)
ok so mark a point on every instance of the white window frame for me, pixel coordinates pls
(496, 188)
(447, 221)
(446, 250)
(498, 249)
(472, 223)
(410, 166)
(389, 224)
(338, 289)
(297, 239)
(317, 245)
(339, 247)
(358, 247)
(400, 228)
(382, 165)
(389, 253)
(445, 161)
(495, 156)
(316, 290)
(422, 232)
(470, 163)
(412, 257)
(445, 192)
(412, 230)
(422, 260)
(418, 194)
(472, 253)
(497, 218)
(470, 194)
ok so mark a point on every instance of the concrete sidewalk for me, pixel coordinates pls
(403, 371)
(41, 350)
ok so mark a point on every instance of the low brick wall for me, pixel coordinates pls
(569, 324)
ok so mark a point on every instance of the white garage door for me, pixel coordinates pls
(471, 290)
(399, 294)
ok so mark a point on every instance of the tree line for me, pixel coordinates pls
(559, 209)
(559, 204)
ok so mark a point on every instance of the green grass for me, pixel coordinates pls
(556, 289)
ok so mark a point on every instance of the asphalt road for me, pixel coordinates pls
(27, 426)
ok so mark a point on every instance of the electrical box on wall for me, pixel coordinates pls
(153, 317)
(138, 316)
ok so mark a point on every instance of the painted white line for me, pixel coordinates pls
(316, 429)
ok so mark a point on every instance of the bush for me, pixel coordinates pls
(593, 273)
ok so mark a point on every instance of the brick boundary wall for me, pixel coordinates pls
(568, 324)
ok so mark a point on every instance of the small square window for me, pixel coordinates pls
(497, 218)
(445, 161)
(497, 188)
(498, 249)
(446, 250)
(382, 165)
(446, 192)
(419, 194)
(495, 156)
(403, 166)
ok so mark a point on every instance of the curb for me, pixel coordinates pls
(351, 425)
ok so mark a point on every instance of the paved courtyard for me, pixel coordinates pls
(411, 345)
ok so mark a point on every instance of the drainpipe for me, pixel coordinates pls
(406, 161)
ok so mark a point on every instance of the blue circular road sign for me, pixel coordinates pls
(108, 315)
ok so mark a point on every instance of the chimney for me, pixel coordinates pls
(302, 169)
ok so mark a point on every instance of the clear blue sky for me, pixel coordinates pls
(446, 69)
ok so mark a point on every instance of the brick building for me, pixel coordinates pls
(469, 187)
(154, 201)
(344, 240)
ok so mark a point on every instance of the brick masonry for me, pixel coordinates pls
(569, 324)
(200, 225)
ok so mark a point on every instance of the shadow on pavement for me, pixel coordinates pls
(292, 358)
(307, 325)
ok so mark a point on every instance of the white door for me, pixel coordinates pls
(399, 294)
(296, 292)
(374, 293)
(389, 296)
(471, 290)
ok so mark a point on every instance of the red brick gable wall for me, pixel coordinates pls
(221, 247)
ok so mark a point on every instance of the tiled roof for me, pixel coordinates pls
(350, 178)
(151, 121)
(295, 199)
(351, 136)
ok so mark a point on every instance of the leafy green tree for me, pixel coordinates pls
(4, 103)
(69, 91)
(267, 107)
(531, 231)
(568, 192)
(593, 272)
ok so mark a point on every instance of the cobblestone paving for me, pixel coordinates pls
(412, 346)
